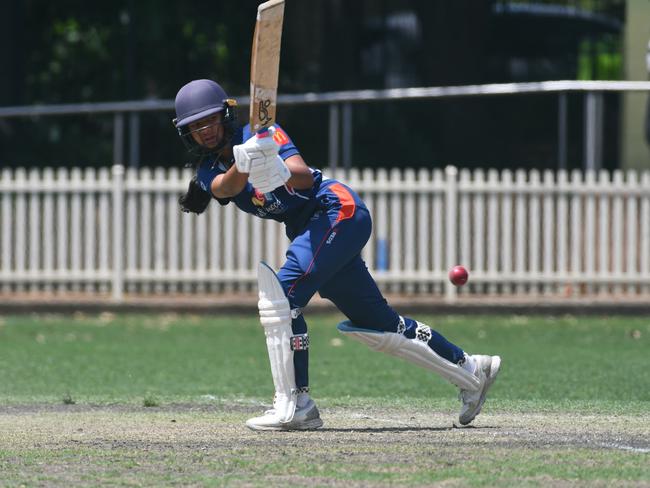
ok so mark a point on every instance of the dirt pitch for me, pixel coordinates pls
(207, 445)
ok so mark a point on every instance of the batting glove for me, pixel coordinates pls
(270, 174)
(255, 152)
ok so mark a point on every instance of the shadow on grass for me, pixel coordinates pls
(379, 430)
(406, 428)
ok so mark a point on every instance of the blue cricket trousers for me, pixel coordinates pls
(326, 257)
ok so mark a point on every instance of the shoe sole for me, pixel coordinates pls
(495, 366)
(307, 425)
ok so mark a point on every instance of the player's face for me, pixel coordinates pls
(208, 131)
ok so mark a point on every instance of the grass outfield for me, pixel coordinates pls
(140, 400)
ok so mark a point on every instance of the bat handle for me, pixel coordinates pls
(263, 133)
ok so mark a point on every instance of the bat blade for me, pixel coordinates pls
(265, 64)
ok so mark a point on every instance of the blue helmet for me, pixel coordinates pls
(199, 99)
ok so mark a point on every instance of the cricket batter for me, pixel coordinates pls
(328, 226)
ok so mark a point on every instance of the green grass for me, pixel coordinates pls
(571, 406)
(546, 361)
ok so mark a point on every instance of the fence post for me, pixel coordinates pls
(451, 213)
(562, 124)
(118, 138)
(593, 127)
(347, 136)
(333, 144)
(118, 230)
(134, 140)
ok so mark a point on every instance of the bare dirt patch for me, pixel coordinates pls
(198, 445)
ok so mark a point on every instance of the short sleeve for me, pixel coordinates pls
(205, 174)
(287, 147)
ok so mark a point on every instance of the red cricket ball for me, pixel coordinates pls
(458, 275)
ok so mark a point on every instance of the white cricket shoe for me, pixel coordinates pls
(305, 418)
(487, 369)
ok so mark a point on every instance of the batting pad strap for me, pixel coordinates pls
(299, 342)
(296, 312)
(415, 351)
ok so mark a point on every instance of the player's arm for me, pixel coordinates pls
(229, 184)
(301, 177)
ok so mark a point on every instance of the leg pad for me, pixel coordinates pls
(275, 317)
(416, 351)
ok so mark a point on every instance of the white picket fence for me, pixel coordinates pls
(118, 233)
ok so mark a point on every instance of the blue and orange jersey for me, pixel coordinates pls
(338, 200)
(285, 204)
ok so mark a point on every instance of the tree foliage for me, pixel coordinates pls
(70, 51)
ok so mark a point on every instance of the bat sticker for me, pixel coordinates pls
(263, 111)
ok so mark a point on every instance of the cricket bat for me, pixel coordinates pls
(265, 65)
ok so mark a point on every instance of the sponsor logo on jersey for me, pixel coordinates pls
(267, 203)
(331, 237)
(275, 206)
(258, 198)
(280, 137)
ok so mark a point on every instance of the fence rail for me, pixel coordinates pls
(117, 232)
(340, 127)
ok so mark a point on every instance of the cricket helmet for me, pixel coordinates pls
(196, 100)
